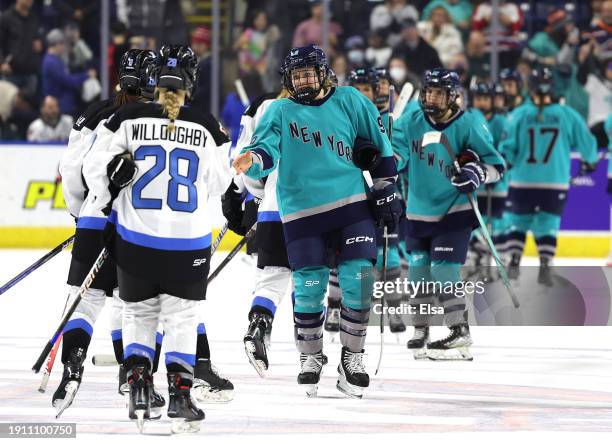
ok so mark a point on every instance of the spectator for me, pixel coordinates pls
(200, 43)
(511, 22)
(388, 18)
(8, 95)
(479, 60)
(417, 51)
(118, 47)
(56, 79)
(460, 11)
(254, 43)
(400, 74)
(440, 33)
(79, 54)
(52, 125)
(86, 14)
(310, 31)
(601, 29)
(556, 44)
(339, 66)
(20, 46)
(378, 52)
(355, 51)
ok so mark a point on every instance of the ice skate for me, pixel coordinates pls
(353, 378)
(310, 373)
(209, 386)
(70, 383)
(254, 342)
(418, 343)
(455, 347)
(545, 273)
(140, 383)
(186, 416)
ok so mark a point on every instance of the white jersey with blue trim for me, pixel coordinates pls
(166, 205)
(262, 189)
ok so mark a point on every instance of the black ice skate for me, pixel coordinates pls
(209, 386)
(124, 388)
(332, 320)
(455, 347)
(141, 386)
(418, 343)
(186, 416)
(353, 378)
(157, 400)
(545, 273)
(310, 373)
(254, 342)
(70, 383)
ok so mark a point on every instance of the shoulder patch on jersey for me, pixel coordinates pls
(90, 113)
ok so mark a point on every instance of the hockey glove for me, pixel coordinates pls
(387, 207)
(472, 175)
(121, 170)
(231, 205)
(366, 156)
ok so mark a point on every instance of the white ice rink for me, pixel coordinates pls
(549, 380)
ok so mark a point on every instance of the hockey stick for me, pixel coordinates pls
(402, 100)
(84, 287)
(233, 253)
(217, 242)
(244, 98)
(51, 360)
(439, 137)
(37, 264)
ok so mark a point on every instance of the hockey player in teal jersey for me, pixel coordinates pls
(491, 198)
(324, 206)
(440, 218)
(512, 83)
(537, 142)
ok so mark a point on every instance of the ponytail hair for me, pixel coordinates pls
(124, 96)
(171, 102)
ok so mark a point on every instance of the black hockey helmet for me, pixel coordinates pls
(148, 73)
(363, 75)
(481, 89)
(178, 68)
(511, 74)
(305, 57)
(131, 70)
(439, 78)
(541, 81)
(382, 100)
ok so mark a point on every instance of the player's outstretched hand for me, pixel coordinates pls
(242, 162)
(121, 170)
(387, 207)
(472, 175)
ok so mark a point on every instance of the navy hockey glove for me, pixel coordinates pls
(121, 170)
(472, 175)
(231, 205)
(387, 207)
(366, 156)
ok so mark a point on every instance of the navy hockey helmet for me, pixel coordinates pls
(541, 81)
(511, 74)
(363, 75)
(310, 56)
(444, 79)
(178, 68)
(382, 97)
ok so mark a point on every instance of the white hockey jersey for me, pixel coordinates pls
(161, 220)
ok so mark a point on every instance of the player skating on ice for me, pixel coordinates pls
(440, 219)
(272, 274)
(324, 206)
(512, 84)
(492, 197)
(161, 224)
(135, 74)
(537, 142)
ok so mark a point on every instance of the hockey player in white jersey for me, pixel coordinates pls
(135, 75)
(273, 273)
(161, 228)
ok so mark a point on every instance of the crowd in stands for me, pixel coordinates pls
(50, 51)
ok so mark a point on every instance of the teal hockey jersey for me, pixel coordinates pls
(608, 128)
(537, 145)
(319, 189)
(434, 204)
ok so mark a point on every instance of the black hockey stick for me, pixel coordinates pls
(440, 137)
(84, 287)
(233, 253)
(37, 264)
(217, 242)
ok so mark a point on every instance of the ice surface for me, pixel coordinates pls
(546, 379)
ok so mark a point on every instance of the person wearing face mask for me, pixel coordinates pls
(355, 51)
(400, 74)
(52, 125)
(422, 55)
